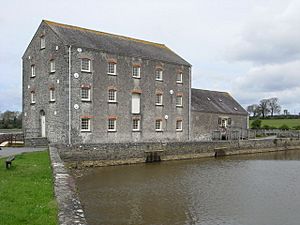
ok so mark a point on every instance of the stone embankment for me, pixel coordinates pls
(69, 206)
(86, 155)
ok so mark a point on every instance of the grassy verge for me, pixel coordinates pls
(26, 191)
(279, 122)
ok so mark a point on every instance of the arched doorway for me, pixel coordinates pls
(43, 123)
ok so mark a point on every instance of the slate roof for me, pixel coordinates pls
(115, 44)
(215, 102)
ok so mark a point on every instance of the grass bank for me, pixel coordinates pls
(26, 191)
(279, 122)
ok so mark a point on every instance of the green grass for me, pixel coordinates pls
(279, 122)
(26, 191)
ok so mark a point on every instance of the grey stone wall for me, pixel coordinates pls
(123, 153)
(203, 124)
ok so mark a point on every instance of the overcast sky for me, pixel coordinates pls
(250, 48)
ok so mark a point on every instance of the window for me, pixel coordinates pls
(52, 66)
(158, 99)
(112, 124)
(229, 121)
(158, 125)
(179, 78)
(179, 101)
(112, 95)
(85, 65)
(32, 97)
(179, 125)
(43, 42)
(136, 124)
(52, 95)
(159, 75)
(135, 107)
(85, 124)
(85, 94)
(111, 68)
(32, 70)
(136, 71)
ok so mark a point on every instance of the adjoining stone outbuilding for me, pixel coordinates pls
(86, 86)
(216, 115)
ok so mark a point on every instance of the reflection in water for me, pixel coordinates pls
(258, 189)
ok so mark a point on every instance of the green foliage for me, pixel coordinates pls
(284, 127)
(256, 124)
(296, 127)
(26, 191)
(10, 120)
(276, 123)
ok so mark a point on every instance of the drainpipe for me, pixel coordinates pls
(190, 101)
(70, 95)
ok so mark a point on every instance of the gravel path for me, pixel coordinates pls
(7, 151)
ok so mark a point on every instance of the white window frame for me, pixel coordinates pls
(180, 80)
(32, 70)
(137, 73)
(32, 97)
(52, 66)
(159, 99)
(179, 104)
(158, 122)
(88, 92)
(111, 65)
(52, 95)
(112, 122)
(178, 125)
(43, 42)
(136, 103)
(112, 93)
(89, 65)
(88, 120)
(159, 75)
(138, 125)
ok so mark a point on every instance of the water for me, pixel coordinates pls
(260, 189)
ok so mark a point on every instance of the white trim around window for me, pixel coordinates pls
(112, 125)
(178, 101)
(159, 75)
(43, 42)
(178, 125)
(136, 72)
(159, 99)
(179, 78)
(52, 66)
(111, 68)
(85, 94)
(52, 95)
(85, 125)
(32, 70)
(158, 125)
(32, 97)
(112, 95)
(136, 124)
(85, 65)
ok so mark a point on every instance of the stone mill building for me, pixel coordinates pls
(86, 86)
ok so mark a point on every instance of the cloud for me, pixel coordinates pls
(270, 38)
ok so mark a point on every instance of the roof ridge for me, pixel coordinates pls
(105, 33)
(198, 89)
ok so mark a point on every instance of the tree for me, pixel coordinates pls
(264, 107)
(256, 124)
(274, 106)
(252, 109)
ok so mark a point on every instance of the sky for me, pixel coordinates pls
(249, 48)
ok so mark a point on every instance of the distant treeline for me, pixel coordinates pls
(276, 117)
(10, 120)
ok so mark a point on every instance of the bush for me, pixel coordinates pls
(296, 127)
(267, 127)
(256, 124)
(284, 127)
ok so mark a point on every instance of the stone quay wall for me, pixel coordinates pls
(86, 155)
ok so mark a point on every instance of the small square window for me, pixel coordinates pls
(86, 65)
(32, 97)
(85, 94)
(179, 101)
(43, 42)
(32, 70)
(85, 124)
(52, 95)
(112, 123)
(52, 66)
(159, 99)
(158, 125)
(159, 75)
(111, 68)
(136, 72)
(136, 124)
(112, 95)
(179, 125)
(179, 78)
